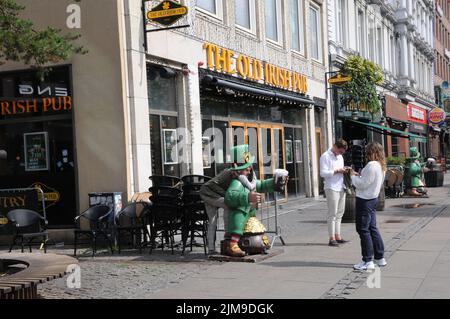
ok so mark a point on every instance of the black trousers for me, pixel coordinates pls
(366, 225)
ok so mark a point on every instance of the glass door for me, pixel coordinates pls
(266, 143)
(320, 151)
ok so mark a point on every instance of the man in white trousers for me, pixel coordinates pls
(332, 171)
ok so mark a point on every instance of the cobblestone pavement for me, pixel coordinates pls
(128, 275)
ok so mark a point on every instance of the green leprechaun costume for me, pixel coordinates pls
(414, 179)
(237, 197)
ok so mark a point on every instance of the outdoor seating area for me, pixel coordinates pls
(171, 215)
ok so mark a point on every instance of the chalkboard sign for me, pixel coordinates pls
(36, 151)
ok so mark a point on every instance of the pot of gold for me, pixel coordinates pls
(254, 241)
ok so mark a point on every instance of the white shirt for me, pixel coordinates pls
(368, 185)
(329, 163)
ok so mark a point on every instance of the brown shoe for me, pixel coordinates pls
(414, 192)
(233, 250)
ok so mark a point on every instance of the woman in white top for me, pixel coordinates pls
(368, 186)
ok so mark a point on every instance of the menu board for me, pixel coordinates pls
(36, 151)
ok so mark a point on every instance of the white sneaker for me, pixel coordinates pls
(381, 262)
(364, 266)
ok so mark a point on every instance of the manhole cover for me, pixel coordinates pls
(415, 205)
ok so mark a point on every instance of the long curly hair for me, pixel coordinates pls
(375, 152)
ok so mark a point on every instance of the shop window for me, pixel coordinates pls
(208, 139)
(297, 33)
(341, 21)
(162, 89)
(361, 33)
(221, 146)
(246, 14)
(291, 116)
(269, 113)
(213, 7)
(36, 131)
(395, 146)
(315, 33)
(216, 106)
(165, 141)
(273, 20)
(243, 110)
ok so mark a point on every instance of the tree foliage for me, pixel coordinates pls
(19, 41)
(362, 89)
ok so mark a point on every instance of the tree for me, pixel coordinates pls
(20, 42)
(362, 89)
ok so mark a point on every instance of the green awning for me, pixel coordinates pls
(387, 130)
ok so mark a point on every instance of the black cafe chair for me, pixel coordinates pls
(195, 218)
(29, 225)
(165, 215)
(164, 181)
(133, 220)
(93, 223)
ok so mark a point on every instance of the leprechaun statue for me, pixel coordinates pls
(243, 196)
(414, 179)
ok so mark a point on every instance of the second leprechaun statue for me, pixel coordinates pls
(242, 200)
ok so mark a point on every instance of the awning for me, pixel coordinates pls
(215, 81)
(390, 131)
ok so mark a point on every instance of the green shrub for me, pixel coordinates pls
(394, 160)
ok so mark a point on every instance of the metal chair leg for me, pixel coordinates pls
(75, 245)
(13, 243)
(118, 242)
(94, 245)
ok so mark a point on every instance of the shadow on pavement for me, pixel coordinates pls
(283, 264)
(305, 244)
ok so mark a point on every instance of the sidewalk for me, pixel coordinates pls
(418, 252)
(420, 268)
(310, 269)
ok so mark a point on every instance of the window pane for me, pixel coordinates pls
(314, 34)
(208, 5)
(361, 33)
(271, 20)
(371, 41)
(243, 13)
(295, 25)
(379, 47)
(157, 91)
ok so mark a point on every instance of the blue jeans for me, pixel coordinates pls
(366, 225)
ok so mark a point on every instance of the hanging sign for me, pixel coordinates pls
(339, 79)
(167, 13)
